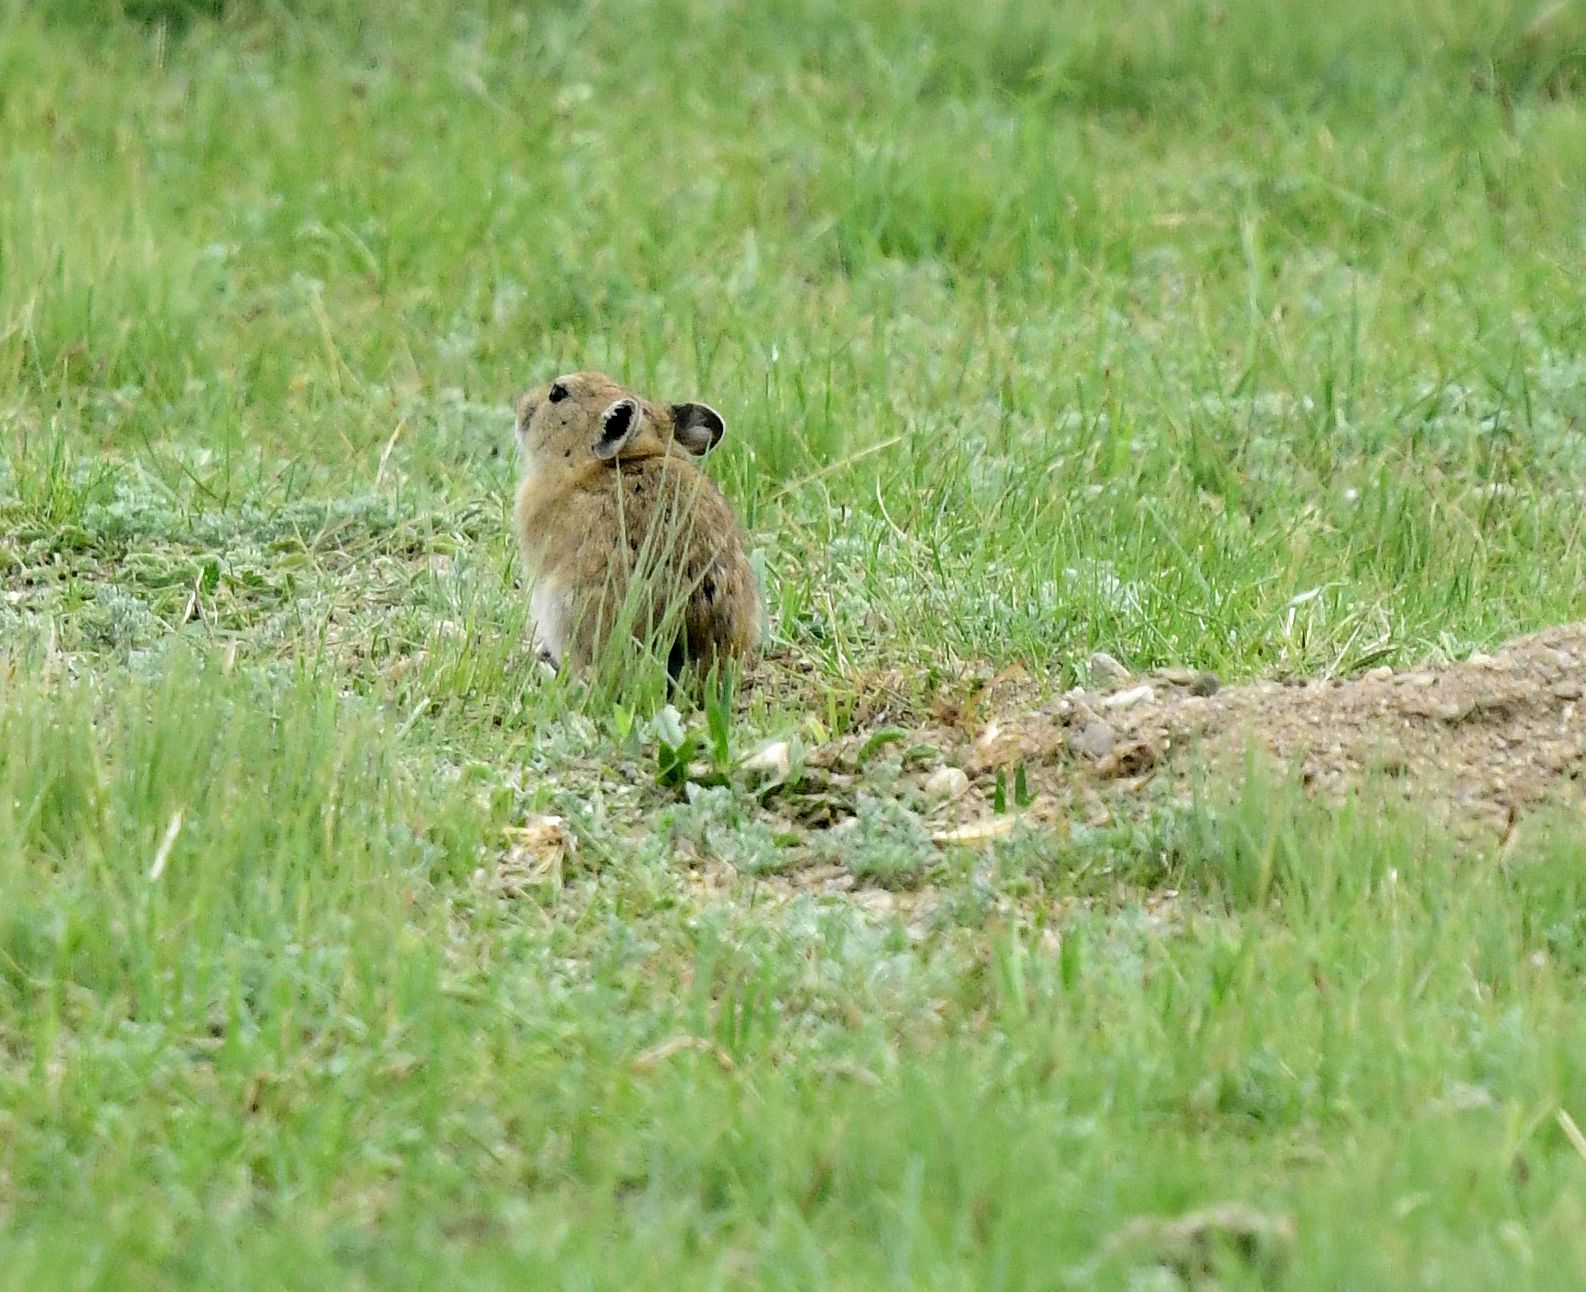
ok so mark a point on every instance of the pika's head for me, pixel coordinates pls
(586, 415)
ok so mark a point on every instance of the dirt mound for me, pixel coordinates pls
(1488, 735)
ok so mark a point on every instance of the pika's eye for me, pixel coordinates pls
(558, 393)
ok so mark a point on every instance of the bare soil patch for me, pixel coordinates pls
(1486, 736)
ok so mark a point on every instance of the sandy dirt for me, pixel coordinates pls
(1486, 737)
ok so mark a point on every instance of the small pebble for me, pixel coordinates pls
(1379, 674)
(1128, 699)
(1105, 670)
(1095, 741)
(772, 760)
(946, 783)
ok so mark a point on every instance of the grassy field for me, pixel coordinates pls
(1247, 336)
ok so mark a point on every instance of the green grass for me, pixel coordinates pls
(1240, 336)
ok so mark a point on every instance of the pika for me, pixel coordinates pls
(621, 532)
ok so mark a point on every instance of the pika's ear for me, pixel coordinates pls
(698, 427)
(618, 425)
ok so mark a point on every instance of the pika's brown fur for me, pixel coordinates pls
(621, 531)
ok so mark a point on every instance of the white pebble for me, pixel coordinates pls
(1133, 696)
(1106, 670)
(946, 783)
(773, 759)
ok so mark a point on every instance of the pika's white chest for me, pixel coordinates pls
(548, 610)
